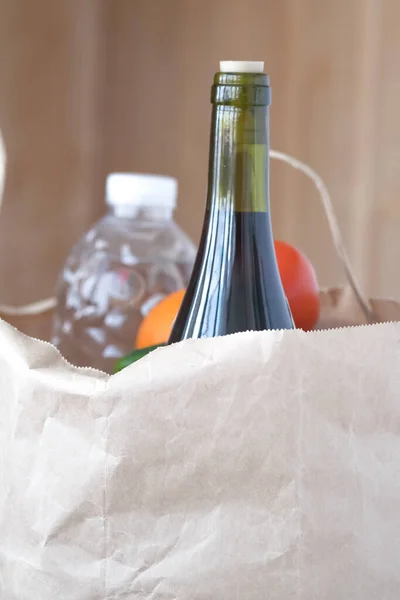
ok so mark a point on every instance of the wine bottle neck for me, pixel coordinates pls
(239, 158)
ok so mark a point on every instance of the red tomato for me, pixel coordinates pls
(300, 284)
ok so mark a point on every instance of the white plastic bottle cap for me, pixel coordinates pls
(241, 66)
(139, 189)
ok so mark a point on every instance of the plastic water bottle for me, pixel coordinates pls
(131, 259)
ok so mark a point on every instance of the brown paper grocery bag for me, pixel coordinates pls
(255, 466)
(259, 465)
(340, 308)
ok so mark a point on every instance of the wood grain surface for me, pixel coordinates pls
(100, 85)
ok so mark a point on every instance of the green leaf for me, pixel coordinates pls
(134, 356)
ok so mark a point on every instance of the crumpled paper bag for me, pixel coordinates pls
(254, 466)
(340, 308)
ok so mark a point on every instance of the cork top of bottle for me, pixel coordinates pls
(241, 66)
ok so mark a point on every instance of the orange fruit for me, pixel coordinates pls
(157, 324)
(300, 284)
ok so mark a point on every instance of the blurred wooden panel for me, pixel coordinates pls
(102, 85)
(327, 94)
(50, 102)
(383, 247)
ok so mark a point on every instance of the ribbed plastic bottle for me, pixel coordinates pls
(133, 257)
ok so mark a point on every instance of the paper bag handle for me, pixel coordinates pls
(43, 306)
(337, 239)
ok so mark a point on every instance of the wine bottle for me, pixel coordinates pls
(235, 284)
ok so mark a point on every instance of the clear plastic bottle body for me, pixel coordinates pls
(126, 263)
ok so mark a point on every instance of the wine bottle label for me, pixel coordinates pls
(242, 173)
(250, 184)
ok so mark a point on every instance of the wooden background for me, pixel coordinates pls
(90, 86)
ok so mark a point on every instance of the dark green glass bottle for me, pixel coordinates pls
(235, 284)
